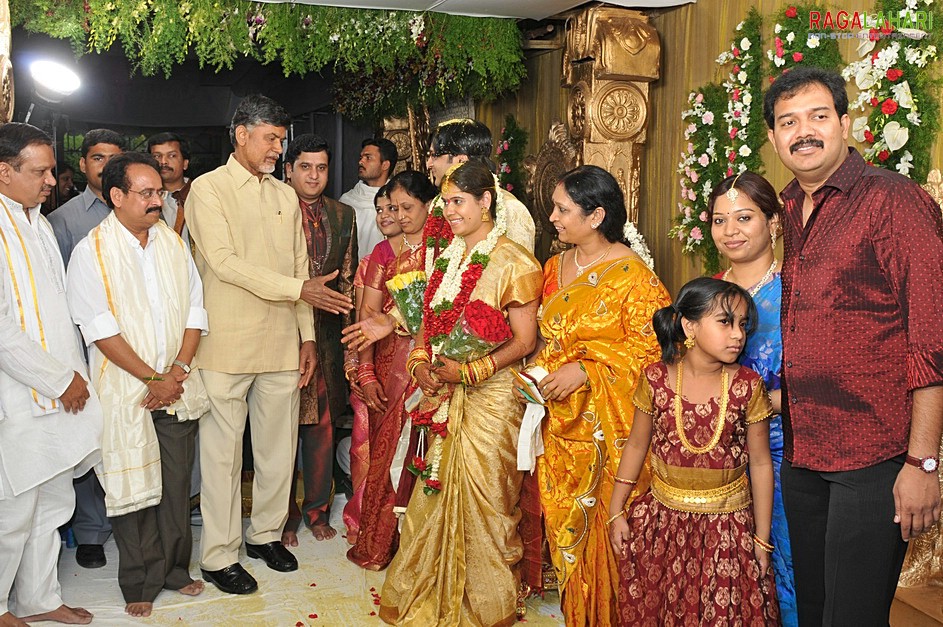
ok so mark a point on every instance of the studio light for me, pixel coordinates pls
(53, 81)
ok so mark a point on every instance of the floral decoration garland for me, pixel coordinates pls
(510, 152)
(794, 44)
(383, 60)
(716, 149)
(897, 92)
(452, 280)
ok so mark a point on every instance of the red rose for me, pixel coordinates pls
(792, 12)
(419, 463)
(884, 156)
(887, 29)
(487, 322)
(873, 35)
(893, 74)
(797, 56)
(875, 102)
(732, 156)
(435, 484)
(736, 51)
(889, 107)
(869, 137)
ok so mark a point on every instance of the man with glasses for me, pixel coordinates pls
(459, 140)
(137, 298)
(72, 222)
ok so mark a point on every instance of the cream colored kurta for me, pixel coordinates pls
(521, 228)
(35, 448)
(251, 254)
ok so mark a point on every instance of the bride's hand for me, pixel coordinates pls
(562, 382)
(360, 335)
(428, 382)
(447, 370)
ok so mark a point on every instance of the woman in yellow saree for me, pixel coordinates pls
(460, 543)
(596, 335)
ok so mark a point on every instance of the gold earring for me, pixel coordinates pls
(689, 342)
(486, 216)
(773, 237)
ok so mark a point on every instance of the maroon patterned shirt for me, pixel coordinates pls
(861, 315)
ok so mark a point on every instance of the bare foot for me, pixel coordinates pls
(352, 537)
(9, 620)
(192, 589)
(139, 609)
(63, 614)
(289, 538)
(323, 532)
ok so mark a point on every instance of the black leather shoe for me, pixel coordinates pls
(90, 556)
(276, 556)
(233, 579)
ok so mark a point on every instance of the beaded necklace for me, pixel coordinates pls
(756, 288)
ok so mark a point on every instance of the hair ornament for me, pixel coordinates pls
(733, 193)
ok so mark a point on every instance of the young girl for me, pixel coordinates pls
(692, 549)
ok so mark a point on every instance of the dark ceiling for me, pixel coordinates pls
(112, 96)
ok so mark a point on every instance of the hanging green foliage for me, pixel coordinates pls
(384, 60)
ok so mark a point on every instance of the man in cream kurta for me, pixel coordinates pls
(251, 253)
(51, 423)
(138, 299)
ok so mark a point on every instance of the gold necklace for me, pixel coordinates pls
(721, 419)
(580, 269)
(756, 288)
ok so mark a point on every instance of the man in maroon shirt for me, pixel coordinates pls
(862, 357)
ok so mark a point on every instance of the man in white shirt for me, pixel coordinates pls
(376, 165)
(172, 152)
(136, 295)
(51, 423)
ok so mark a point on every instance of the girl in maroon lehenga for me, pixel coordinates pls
(693, 551)
(383, 378)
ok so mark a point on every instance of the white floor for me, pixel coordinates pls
(327, 589)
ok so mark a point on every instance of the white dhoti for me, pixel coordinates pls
(29, 545)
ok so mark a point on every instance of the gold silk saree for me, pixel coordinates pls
(602, 319)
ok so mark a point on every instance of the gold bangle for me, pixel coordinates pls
(766, 546)
(619, 479)
(609, 522)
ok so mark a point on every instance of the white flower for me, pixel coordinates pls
(747, 98)
(740, 26)
(708, 117)
(865, 43)
(779, 61)
(902, 94)
(858, 127)
(745, 43)
(778, 29)
(865, 79)
(906, 164)
(742, 77)
(745, 151)
(637, 242)
(895, 135)
(812, 41)
(791, 37)
(914, 118)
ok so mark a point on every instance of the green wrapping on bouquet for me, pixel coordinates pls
(408, 290)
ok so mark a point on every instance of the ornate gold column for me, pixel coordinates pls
(411, 136)
(6, 67)
(611, 57)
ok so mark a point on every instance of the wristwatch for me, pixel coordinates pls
(183, 366)
(926, 464)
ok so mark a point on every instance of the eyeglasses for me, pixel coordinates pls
(147, 194)
(435, 155)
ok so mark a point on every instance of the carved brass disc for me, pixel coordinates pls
(620, 111)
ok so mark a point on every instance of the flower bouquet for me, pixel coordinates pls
(480, 329)
(408, 290)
